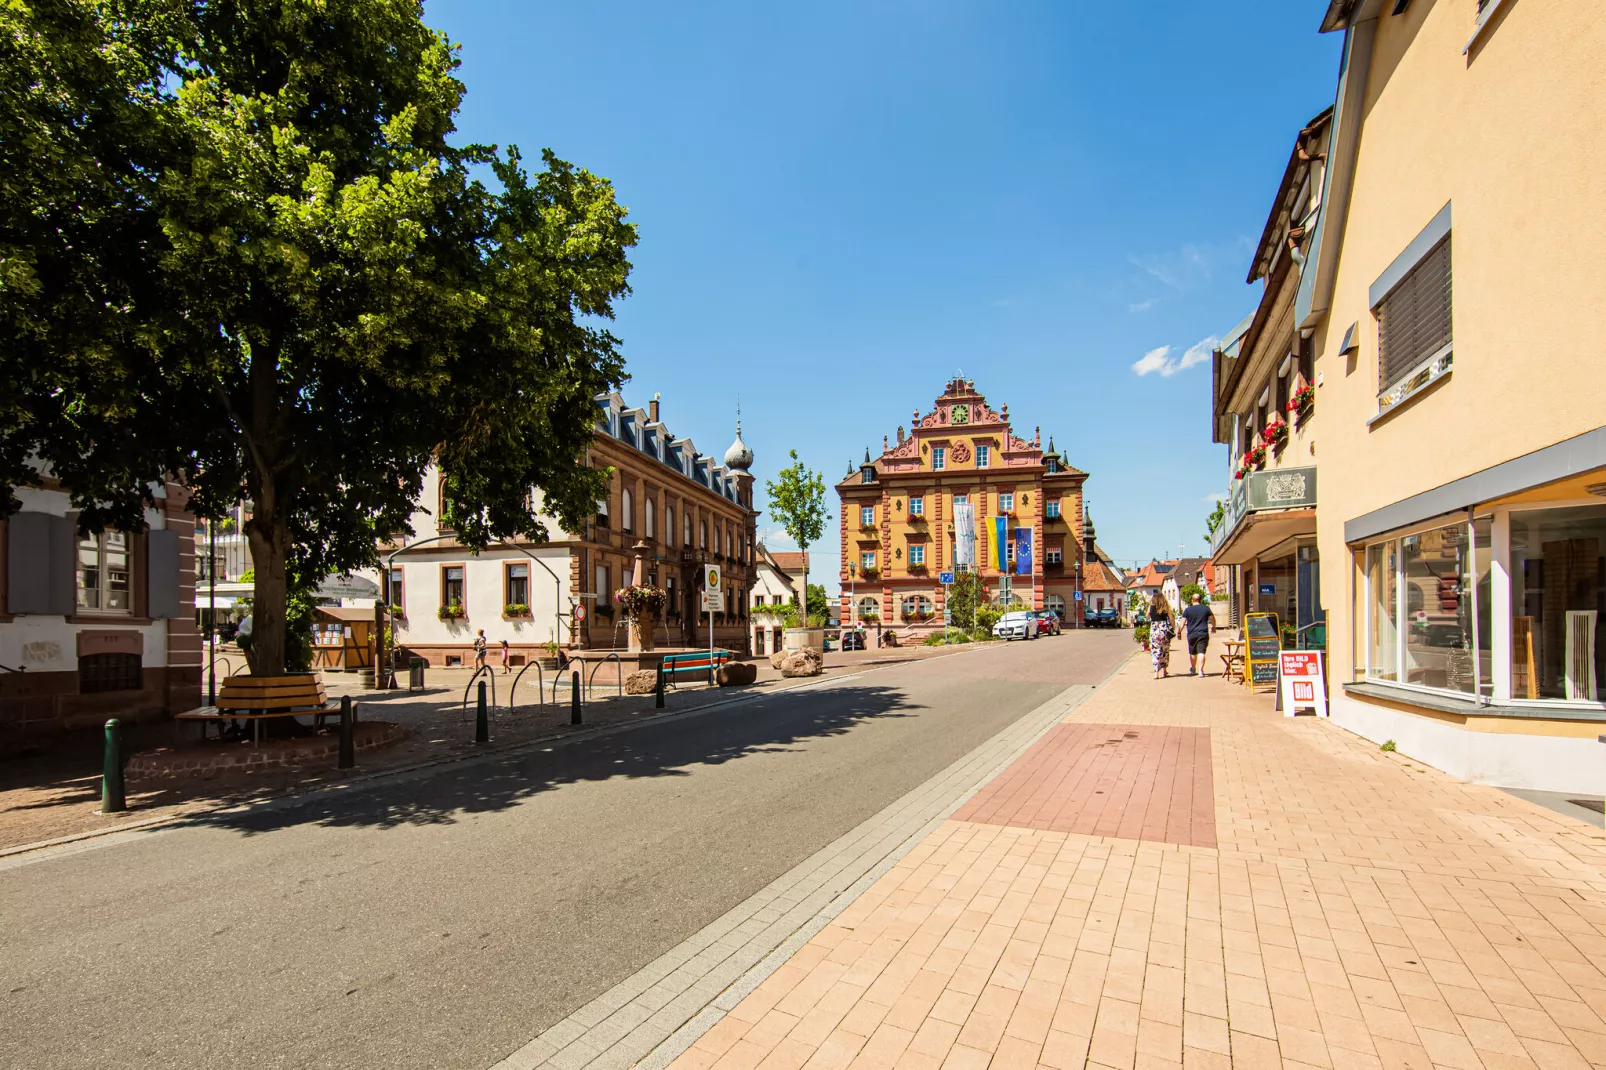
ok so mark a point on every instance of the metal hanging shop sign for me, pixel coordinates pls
(1302, 682)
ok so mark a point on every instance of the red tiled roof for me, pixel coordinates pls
(792, 563)
(1096, 576)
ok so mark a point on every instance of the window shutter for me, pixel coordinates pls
(161, 573)
(63, 567)
(39, 556)
(27, 548)
(1414, 319)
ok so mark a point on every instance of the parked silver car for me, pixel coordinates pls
(1020, 625)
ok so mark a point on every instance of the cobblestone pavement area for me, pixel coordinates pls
(1359, 910)
(53, 789)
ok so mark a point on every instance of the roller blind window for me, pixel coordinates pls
(1414, 319)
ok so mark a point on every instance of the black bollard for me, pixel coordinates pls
(574, 699)
(112, 800)
(659, 693)
(348, 734)
(482, 721)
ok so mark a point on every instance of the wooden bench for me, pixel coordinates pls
(260, 698)
(699, 663)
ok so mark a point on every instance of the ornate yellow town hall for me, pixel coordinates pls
(897, 515)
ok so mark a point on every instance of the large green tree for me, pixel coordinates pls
(290, 283)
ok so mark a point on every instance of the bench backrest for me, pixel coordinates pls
(694, 662)
(271, 692)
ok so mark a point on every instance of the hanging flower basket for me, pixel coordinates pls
(640, 599)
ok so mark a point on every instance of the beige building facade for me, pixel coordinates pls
(1452, 295)
(685, 507)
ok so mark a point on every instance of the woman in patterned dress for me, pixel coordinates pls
(1161, 628)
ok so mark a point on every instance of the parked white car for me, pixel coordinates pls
(1016, 626)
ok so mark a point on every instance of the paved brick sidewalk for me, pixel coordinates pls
(1358, 910)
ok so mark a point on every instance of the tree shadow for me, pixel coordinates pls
(768, 724)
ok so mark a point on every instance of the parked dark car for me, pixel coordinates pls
(852, 639)
(1109, 617)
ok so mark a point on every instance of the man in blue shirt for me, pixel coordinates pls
(1198, 620)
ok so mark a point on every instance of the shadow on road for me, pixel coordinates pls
(772, 724)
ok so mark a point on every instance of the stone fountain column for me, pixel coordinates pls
(643, 626)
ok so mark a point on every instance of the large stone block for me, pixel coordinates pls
(806, 662)
(642, 682)
(736, 673)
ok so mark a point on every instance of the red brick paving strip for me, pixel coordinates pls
(1132, 782)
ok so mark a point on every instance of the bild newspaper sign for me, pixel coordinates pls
(1300, 678)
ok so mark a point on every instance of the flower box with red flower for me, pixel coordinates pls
(1256, 458)
(1275, 433)
(1303, 400)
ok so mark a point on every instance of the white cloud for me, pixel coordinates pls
(1212, 499)
(1155, 360)
(1160, 359)
(1143, 306)
(1192, 265)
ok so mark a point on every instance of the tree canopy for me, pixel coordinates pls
(246, 251)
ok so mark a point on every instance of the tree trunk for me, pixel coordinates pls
(270, 549)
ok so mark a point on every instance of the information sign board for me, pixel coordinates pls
(1262, 649)
(713, 601)
(1302, 683)
(945, 577)
(711, 577)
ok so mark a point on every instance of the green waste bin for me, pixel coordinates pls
(415, 674)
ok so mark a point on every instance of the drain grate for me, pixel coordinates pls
(1590, 804)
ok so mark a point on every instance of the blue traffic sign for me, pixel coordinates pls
(945, 577)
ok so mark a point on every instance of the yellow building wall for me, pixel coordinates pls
(1510, 133)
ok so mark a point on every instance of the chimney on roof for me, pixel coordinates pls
(652, 409)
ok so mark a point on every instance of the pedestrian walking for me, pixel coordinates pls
(1198, 621)
(479, 651)
(505, 668)
(1161, 628)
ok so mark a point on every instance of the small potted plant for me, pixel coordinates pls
(398, 612)
(516, 610)
(455, 611)
(548, 658)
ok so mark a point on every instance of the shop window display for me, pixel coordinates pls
(1558, 591)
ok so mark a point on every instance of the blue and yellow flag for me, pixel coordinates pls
(1000, 543)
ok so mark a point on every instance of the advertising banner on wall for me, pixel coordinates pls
(964, 535)
(1023, 551)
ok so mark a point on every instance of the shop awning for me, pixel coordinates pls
(1258, 532)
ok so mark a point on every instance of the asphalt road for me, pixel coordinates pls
(443, 920)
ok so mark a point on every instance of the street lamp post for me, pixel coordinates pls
(1076, 589)
(853, 606)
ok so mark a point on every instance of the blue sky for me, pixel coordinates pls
(842, 205)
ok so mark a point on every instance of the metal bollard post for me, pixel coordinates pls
(348, 734)
(482, 721)
(574, 699)
(659, 686)
(112, 798)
